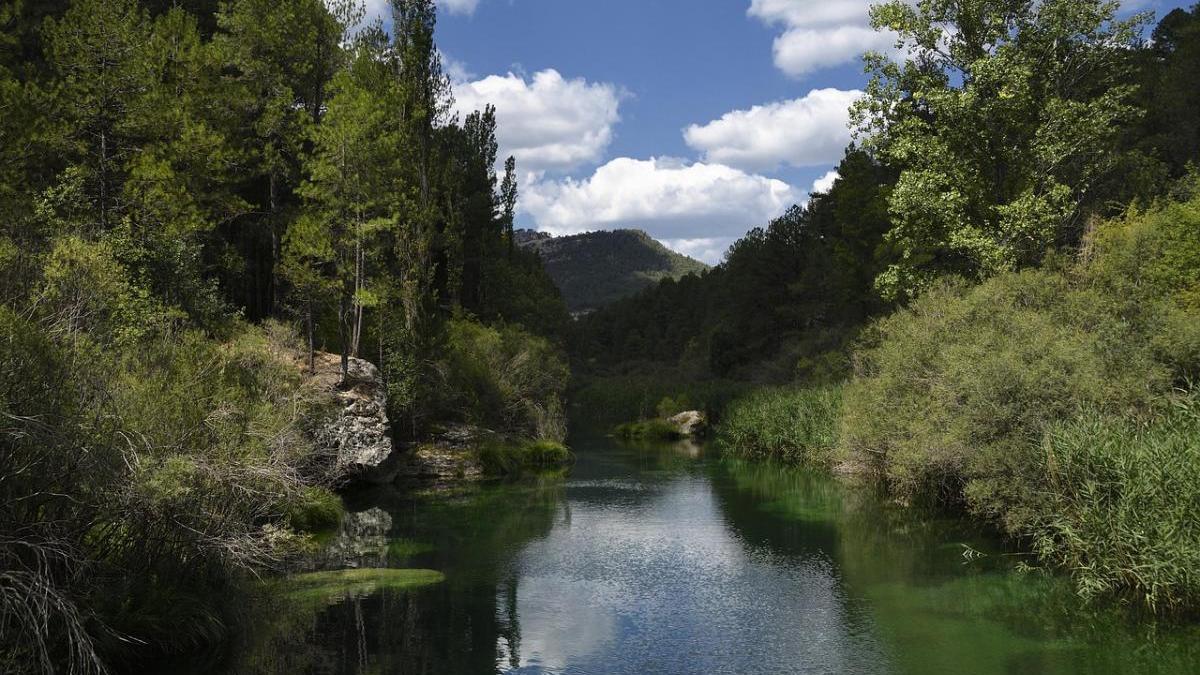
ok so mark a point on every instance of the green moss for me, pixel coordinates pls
(329, 587)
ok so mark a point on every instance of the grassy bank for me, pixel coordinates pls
(786, 424)
(503, 458)
(1054, 402)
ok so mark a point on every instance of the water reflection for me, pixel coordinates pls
(661, 560)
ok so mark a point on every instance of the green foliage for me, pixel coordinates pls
(502, 457)
(797, 425)
(1035, 399)
(1002, 121)
(954, 386)
(505, 379)
(1119, 504)
(316, 510)
(654, 429)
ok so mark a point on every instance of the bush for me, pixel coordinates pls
(1120, 505)
(786, 424)
(316, 510)
(151, 478)
(656, 429)
(505, 379)
(500, 458)
(952, 389)
(1035, 399)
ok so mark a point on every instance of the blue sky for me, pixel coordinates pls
(694, 120)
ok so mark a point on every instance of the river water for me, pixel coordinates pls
(668, 560)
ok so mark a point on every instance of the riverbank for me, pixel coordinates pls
(661, 557)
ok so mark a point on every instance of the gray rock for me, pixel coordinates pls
(357, 436)
(690, 423)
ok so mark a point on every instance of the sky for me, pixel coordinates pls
(695, 120)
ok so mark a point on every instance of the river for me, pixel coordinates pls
(670, 560)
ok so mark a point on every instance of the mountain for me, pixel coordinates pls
(597, 268)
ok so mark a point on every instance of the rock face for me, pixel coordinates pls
(358, 436)
(451, 456)
(690, 423)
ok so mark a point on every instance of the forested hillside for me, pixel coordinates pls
(193, 193)
(595, 269)
(992, 309)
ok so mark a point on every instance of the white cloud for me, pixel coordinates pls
(807, 131)
(824, 183)
(820, 33)
(547, 122)
(671, 199)
(382, 9)
(707, 249)
(459, 6)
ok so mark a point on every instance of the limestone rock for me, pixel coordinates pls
(357, 436)
(690, 423)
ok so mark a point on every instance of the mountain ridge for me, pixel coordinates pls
(594, 269)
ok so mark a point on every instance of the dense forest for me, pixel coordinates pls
(182, 184)
(992, 309)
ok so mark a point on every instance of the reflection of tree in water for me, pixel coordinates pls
(466, 625)
(940, 610)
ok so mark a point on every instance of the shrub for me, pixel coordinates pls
(655, 429)
(506, 379)
(952, 389)
(787, 424)
(1120, 505)
(316, 510)
(149, 479)
(501, 457)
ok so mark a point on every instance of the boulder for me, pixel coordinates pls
(691, 423)
(357, 435)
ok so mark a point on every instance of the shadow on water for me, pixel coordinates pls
(663, 559)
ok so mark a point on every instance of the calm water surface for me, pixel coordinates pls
(664, 560)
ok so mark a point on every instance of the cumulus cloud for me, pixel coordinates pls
(824, 183)
(808, 131)
(706, 249)
(547, 122)
(671, 199)
(382, 9)
(820, 33)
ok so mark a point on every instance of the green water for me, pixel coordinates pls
(665, 560)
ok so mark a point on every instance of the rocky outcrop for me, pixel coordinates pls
(356, 435)
(691, 423)
(451, 455)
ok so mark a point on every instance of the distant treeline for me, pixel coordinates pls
(1005, 136)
